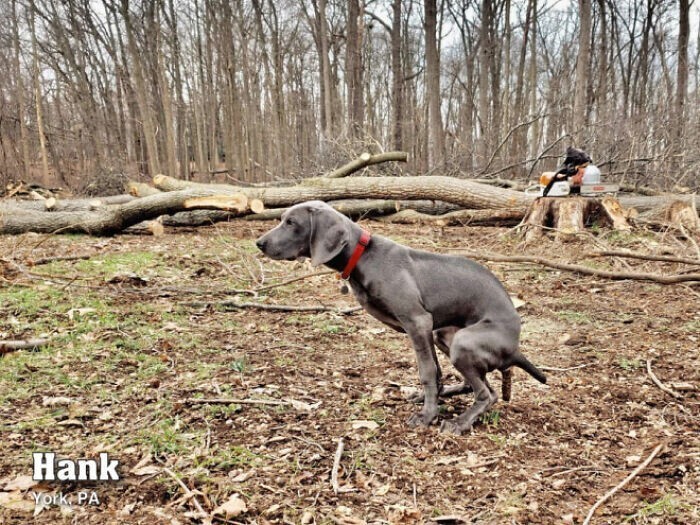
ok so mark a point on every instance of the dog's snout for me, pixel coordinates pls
(260, 243)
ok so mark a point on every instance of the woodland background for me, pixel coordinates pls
(253, 90)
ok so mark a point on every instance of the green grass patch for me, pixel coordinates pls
(630, 364)
(574, 316)
(667, 505)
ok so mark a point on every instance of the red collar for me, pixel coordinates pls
(359, 250)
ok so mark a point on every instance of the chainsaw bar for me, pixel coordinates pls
(597, 189)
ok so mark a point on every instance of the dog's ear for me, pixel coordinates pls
(329, 234)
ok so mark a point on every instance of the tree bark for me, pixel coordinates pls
(374, 207)
(436, 140)
(580, 117)
(464, 193)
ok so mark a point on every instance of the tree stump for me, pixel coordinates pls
(569, 216)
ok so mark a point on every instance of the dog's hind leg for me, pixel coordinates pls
(443, 340)
(474, 352)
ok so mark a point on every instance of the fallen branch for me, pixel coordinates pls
(555, 369)
(624, 482)
(299, 405)
(274, 307)
(658, 383)
(619, 276)
(190, 495)
(644, 256)
(336, 465)
(57, 258)
(29, 344)
(365, 160)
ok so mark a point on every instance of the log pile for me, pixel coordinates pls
(437, 200)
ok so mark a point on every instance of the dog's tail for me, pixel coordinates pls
(521, 361)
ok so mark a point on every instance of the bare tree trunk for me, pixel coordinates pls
(38, 97)
(682, 73)
(142, 99)
(436, 139)
(396, 76)
(21, 103)
(580, 116)
(354, 69)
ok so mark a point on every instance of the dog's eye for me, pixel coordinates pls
(290, 222)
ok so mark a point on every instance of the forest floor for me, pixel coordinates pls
(138, 329)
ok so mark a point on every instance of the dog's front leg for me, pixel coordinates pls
(420, 332)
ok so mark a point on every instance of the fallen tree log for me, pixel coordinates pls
(503, 217)
(106, 220)
(65, 204)
(461, 192)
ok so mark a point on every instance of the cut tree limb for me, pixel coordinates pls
(371, 207)
(457, 217)
(364, 160)
(236, 202)
(140, 189)
(464, 193)
(107, 220)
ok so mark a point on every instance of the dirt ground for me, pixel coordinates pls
(141, 329)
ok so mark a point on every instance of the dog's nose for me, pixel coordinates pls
(260, 243)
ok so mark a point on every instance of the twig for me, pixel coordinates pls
(47, 260)
(289, 281)
(658, 383)
(336, 465)
(10, 346)
(235, 401)
(555, 369)
(663, 279)
(644, 256)
(188, 493)
(274, 307)
(624, 482)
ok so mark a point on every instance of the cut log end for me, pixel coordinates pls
(237, 202)
(256, 206)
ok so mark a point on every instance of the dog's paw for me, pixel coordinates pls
(450, 427)
(420, 419)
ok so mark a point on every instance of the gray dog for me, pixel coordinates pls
(442, 300)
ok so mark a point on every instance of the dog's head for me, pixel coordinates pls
(311, 229)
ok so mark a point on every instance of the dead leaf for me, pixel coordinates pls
(15, 501)
(241, 477)
(235, 506)
(300, 405)
(383, 490)
(148, 470)
(20, 483)
(401, 515)
(517, 302)
(71, 423)
(361, 423)
(56, 401)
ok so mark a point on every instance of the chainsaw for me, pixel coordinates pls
(576, 176)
